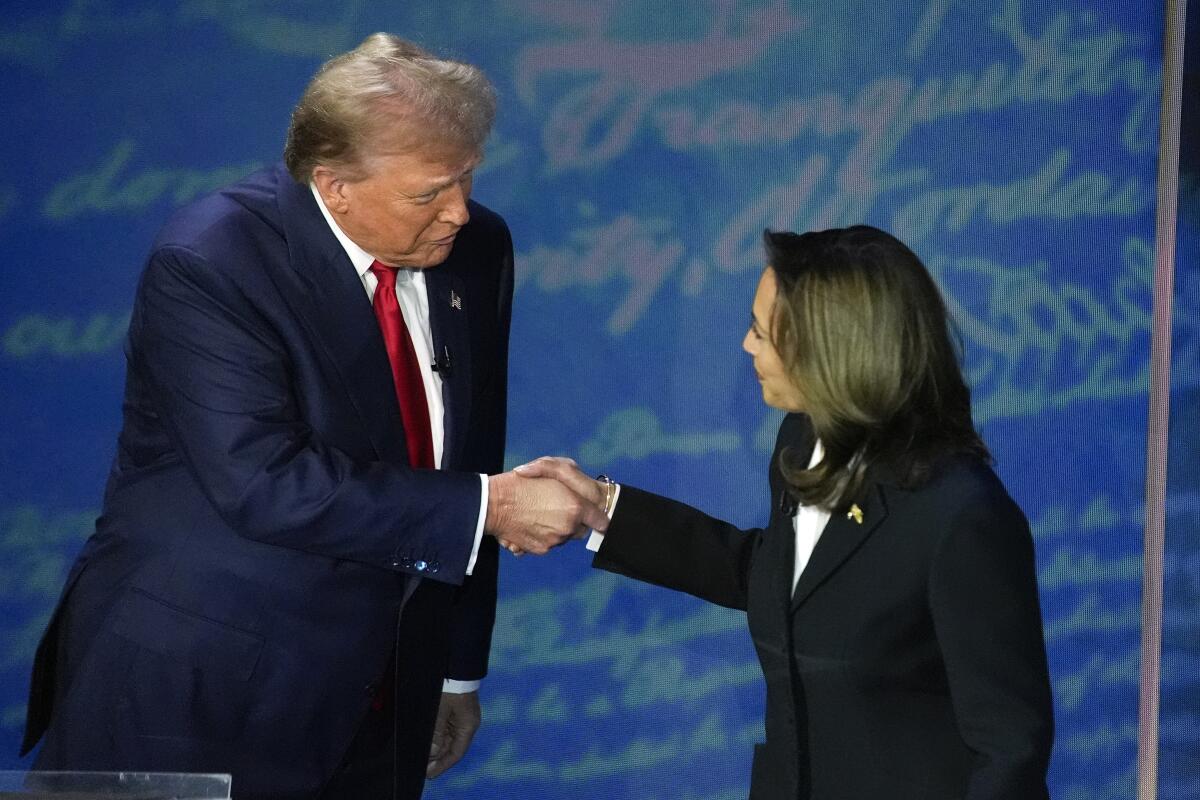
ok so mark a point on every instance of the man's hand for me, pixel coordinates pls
(535, 515)
(566, 472)
(458, 718)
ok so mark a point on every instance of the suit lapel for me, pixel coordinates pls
(795, 433)
(335, 307)
(840, 540)
(784, 534)
(449, 306)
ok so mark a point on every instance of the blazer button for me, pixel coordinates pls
(421, 566)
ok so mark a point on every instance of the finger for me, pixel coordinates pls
(541, 545)
(437, 746)
(456, 748)
(568, 477)
(564, 460)
(541, 468)
(443, 762)
(557, 467)
(545, 462)
(462, 722)
(437, 765)
(510, 545)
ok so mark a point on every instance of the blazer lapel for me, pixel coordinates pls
(449, 306)
(783, 534)
(335, 307)
(795, 434)
(843, 535)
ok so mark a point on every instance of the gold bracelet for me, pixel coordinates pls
(610, 492)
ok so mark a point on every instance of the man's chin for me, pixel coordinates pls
(428, 256)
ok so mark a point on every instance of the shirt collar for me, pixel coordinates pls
(361, 259)
(818, 453)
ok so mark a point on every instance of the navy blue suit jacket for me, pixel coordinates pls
(239, 599)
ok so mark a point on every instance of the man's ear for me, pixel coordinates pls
(331, 188)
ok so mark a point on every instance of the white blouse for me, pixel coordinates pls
(809, 522)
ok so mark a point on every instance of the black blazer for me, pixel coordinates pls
(908, 664)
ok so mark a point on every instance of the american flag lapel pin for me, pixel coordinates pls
(455, 301)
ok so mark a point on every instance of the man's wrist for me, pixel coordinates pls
(497, 501)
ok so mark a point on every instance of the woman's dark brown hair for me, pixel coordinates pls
(864, 334)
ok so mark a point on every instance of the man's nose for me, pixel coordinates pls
(454, 210)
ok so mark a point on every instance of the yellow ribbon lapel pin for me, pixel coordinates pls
(855, 513)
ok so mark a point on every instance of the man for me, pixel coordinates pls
(291, 563)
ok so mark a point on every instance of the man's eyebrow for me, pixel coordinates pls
(430, 189)
(437, 187)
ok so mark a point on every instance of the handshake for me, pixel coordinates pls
(539, 505)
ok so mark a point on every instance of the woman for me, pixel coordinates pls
(892, 598)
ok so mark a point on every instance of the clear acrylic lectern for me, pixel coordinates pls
(112, 786)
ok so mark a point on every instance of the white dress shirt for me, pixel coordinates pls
(413, 297)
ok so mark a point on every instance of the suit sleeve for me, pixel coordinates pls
(474, 610)
(667, 543)
(983, 595)
(661, 541)
(223, 390)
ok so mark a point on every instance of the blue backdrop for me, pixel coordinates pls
(640, 149)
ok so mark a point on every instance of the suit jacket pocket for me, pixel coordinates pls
(189, 676)
(178, 634)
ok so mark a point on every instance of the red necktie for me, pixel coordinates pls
(406, 372)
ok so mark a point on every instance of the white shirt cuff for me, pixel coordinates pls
(595, 538)
(483, 498)
(451, 686)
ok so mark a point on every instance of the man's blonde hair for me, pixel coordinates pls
(386, 95)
